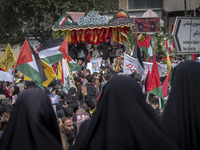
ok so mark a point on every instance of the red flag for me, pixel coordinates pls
(155, 78)
(193, 56)
(25, 55)
(2, 69)
(169, 50)
(55, 67)
(172, 28)
(37, 49)
(88, 57)
(62, 79)
(171, 32)
(165, 85)
(64, 48)
(7, 93)
(148, 84)
(72, 36)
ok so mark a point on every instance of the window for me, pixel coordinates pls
(145, 4)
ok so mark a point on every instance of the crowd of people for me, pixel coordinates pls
(105, 110)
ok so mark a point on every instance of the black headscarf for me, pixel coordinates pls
(72, 91)
(123, 120)
(181, 117)
(33, 124)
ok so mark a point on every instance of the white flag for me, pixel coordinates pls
(68, 82)
(5, 76)
(130, 65)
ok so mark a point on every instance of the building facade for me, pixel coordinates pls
(167, 10)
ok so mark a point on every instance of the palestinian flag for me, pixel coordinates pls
(49, 72)
(165, 85)
(167, 49)
(64, 18)
(30, 65)
(137, 54)
(72, 64)
(154, 82)
(50, 52)
(164, 60)
(146, 48)
(137, 51)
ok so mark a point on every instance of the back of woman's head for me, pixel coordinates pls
(33, 123)
(181, 117)
(123, 120)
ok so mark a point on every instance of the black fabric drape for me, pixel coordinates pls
(33, 124)
(181, 117)
(123, 120)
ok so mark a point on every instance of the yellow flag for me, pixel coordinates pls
(113, 34)
(83, 36)
(59, 74)
(169, 66)
(8, 59)
(96, 37)
(50, 74)
(48, 70)
(69, 37)
(119, 34)
(27, 78)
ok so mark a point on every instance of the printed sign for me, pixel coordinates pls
(186, 35)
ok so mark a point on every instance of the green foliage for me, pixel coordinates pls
(130, 41)
(159, 42)
(22, 18)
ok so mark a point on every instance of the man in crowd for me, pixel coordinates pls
(105, 51)
(73, 51)
(68, 133)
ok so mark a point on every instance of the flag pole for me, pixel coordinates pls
(147, 97)
(13, 74)
(117, 67)
(160, 103)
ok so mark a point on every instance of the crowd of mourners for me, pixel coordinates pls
(105, 110)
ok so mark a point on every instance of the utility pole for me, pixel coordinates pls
(185, 7)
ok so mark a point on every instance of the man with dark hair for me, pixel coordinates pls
(73, 51)
(105, 50)
(78, 85)
(91, 91)
(66, 102)
(155, 104)
(68, 133)
(82, 77)
(30, 84)
(62, 95)
(74, 105)
(68, 112)
(87, 97)
(84, 106)
(87, 72)
(95, 75)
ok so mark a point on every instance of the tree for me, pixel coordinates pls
(22, 18)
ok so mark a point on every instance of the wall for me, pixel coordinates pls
(178, 5)
(123, 4)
